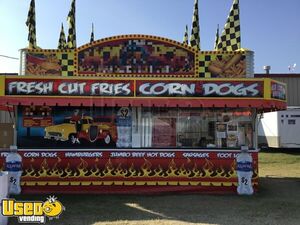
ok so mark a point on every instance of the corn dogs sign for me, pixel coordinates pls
(135, 88)
(200, 89)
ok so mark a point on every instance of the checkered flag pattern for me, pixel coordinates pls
(204, 61)
(62, 39)
(67, 63)
(72, 28)
(186, 36)
(30, 23)
(217, 38)
(230, 39)
(92, 33)
(195, 34)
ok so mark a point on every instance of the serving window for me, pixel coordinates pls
(135, 127)
(194, 128)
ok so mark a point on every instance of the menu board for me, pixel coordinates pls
(37, 121)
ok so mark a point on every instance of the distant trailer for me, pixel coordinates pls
(280, 129)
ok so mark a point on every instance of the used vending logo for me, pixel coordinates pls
(32, 211)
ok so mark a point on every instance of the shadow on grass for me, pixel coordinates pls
(289, 151)
(277, 202)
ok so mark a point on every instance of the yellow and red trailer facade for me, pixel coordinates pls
(136, 114)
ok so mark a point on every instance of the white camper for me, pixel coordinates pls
(279, 129)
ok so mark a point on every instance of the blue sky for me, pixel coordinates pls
(271, 28)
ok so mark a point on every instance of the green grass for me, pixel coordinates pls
(277, 202)
(274, 163)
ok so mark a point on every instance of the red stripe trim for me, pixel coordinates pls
(218, 103)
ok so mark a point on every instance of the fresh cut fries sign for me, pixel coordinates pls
(135, 88)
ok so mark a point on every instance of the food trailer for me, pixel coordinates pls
(135, 113)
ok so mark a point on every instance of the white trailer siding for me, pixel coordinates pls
(268, 133)
(289, 127)
(280, 129)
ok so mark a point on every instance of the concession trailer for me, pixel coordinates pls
(135, 114)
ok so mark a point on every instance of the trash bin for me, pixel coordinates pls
(3, 194)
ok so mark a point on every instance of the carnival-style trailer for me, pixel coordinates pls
(136, 113)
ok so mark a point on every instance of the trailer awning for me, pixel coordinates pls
(149, 102)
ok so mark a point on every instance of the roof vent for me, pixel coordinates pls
(267, 69)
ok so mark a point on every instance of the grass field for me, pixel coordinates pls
(277, 202)
(278, 164)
